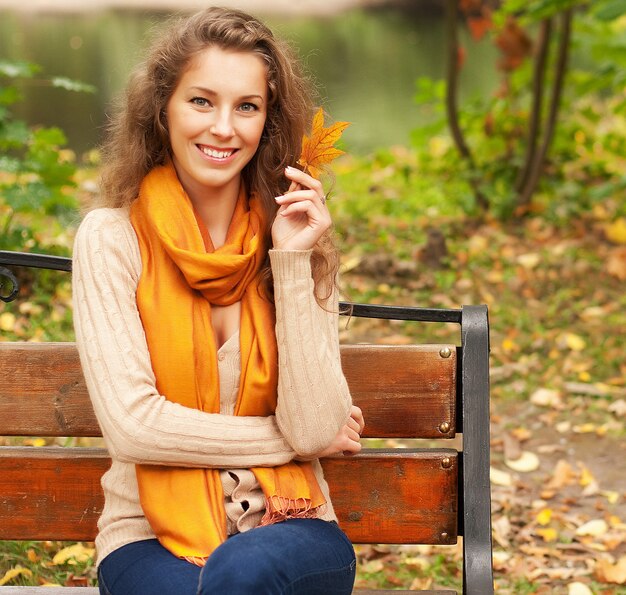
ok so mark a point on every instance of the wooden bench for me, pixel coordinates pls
(426, 495)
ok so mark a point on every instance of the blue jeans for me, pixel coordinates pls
(295, 557)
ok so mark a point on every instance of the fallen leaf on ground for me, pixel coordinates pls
(578, 588)
(500, 478)
(527, 462)
(546, 397)
(616, 231)
(72, 554)
(593, 528)
(12, 573)
(616, 263)
(607, 572)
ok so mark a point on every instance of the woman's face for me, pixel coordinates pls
(215, 117)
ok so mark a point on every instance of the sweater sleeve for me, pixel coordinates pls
(313, 396)
(140, 425)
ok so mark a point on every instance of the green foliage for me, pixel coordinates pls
(36, 173)
(585, 159)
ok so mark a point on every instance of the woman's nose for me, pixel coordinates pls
(222, 125)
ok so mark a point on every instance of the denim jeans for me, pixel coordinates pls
(295, 557)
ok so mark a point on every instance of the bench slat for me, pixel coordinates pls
(404, 391)
(411, 497)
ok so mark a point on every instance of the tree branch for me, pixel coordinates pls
(452, 79)
(565, 19)
(539, 75)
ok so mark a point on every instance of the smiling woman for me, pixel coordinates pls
(200, 282)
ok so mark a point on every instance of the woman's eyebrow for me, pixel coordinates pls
(213, 93)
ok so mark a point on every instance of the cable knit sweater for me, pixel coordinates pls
(141, 426)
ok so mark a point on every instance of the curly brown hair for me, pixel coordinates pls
(138, 140)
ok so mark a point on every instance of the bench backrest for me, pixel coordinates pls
(426, 495)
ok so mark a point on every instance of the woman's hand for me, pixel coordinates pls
(302, 216)
(347, 440)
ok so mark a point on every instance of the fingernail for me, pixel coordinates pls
(289, 168)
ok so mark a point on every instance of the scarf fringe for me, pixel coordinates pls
(278, 509)
(196, 560)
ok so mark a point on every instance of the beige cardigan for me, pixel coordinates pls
(141, 426)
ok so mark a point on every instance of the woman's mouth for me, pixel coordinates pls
(217, 154)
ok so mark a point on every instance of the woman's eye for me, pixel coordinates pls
(200, 101)
(248, 107)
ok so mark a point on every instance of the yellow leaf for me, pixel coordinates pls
(616, 231)
(587, 428)
(72, 554)
(586, 477)
(509, 346)
(7, 321)
(544, 517)
(548, 534)
(10, 574)
(318, 149)
(575, 342)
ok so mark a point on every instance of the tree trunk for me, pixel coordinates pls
(560, 69)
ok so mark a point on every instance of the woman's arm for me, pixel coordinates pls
(314, 401)
(140, 425)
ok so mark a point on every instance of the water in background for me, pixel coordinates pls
(365, 63)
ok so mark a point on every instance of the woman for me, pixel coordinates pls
(206, 321)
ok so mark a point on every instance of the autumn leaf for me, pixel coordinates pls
(12, 573)
(616, 231)
(73, 554)
(612, 573)
(318, 149)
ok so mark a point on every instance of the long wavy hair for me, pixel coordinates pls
(137, 137)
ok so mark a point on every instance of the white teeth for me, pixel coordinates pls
(216, 154)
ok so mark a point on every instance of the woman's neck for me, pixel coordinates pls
(215, 210)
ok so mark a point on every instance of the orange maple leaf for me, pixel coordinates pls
(318, 149)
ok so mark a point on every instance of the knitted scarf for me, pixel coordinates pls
(182, 276)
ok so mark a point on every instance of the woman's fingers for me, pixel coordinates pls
(304, 179)
(357, 415)
(299, 196)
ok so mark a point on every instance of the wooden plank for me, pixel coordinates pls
(404, 391)
(43, 391)
(51, 493)
(396, 496)
(401, 496)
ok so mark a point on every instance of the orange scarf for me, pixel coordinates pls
(182, 276)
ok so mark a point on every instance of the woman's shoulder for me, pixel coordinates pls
(108, 232)
(105, 217)
(111, 225)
